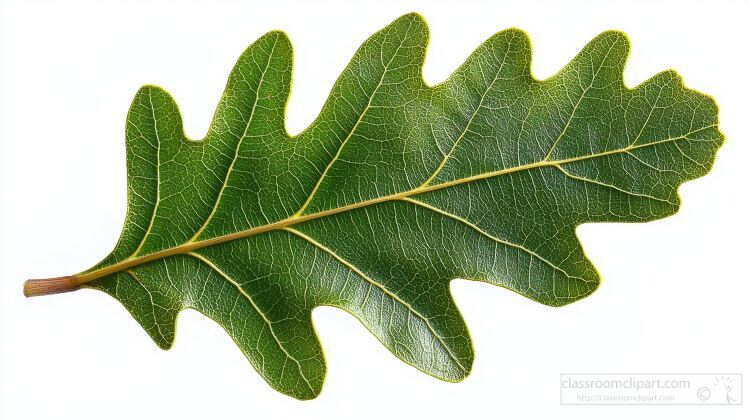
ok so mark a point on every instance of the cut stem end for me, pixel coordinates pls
(41, 287)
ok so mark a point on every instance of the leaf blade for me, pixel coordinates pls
(395, 189)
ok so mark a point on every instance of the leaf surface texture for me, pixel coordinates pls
(396, 188)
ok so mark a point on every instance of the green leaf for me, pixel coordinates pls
(395, 189)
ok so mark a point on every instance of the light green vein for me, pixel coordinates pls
(351, 132)
(239, 143)
(233, 282)
(448, 155)
(387, 292)
(158, 179)
(138, 281)
(614, 187)
(494, 238)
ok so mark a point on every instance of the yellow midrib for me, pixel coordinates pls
(297, 218)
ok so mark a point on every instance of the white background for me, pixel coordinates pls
(674, 296)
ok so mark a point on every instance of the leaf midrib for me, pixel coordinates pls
(189, 246)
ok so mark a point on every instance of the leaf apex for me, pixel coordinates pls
(617, 42)
(279, 35)
(413, 16)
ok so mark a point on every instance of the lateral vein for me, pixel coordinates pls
(244, 294)
(385, 290)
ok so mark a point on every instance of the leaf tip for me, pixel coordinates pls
(613, 43)
(412, 19)
(413, 16)
(614, 37)
(278, 36)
